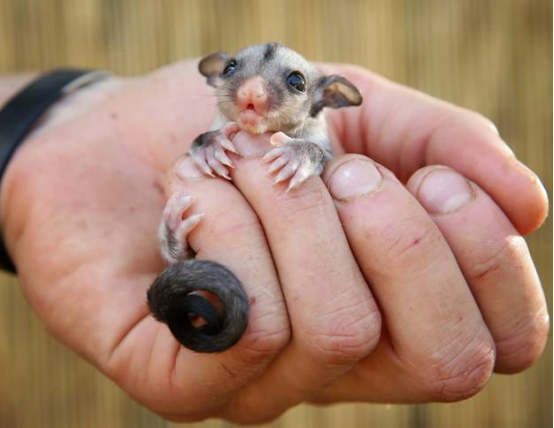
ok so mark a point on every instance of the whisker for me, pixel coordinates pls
(200, 95)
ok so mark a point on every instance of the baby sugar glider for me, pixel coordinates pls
(263, 88)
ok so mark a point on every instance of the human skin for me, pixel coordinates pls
(458, 295)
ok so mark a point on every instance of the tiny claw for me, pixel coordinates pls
(285, 173)
(277, 164)
(200, 162)
(195, 218)
(273, 153)
(175, 208)
(223, 158)
(297, 180)
(215, 164)
(228, 145)
(188, 224)
(185, 200)
(219, 169)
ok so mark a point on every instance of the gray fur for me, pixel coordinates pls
(173, 247)
(270, 50)
(293, 113)
(203, 140)
(311, 152)
(172, 298)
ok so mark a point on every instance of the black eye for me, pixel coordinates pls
(297, 81)
(230, 68)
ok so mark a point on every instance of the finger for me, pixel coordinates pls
(440, 347)
(495, 261)
(333, 315)
(404, 129)
(230, 234)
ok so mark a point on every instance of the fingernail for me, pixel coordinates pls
(353, 179)
(443, 191)
(187, 170)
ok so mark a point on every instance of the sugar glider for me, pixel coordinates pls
(263, 88)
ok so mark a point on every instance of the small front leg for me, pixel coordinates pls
(175, 227)
(295, 159)
(208, 150)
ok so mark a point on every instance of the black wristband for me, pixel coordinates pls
(21, 112)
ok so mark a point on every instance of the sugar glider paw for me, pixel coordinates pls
(208, 151)
(294, 160)
(175, 227)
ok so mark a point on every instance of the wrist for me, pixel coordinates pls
(33, 112)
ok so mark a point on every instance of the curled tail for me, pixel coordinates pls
(170, 301)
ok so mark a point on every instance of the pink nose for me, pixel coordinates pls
(252, 95)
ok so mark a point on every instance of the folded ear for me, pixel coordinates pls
(336, 92)
(212, 66)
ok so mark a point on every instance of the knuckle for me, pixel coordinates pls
(232, 222)
(311, 200)
(344, 339)
(525, 343)
(462, 375)
(484, 121)
(468, 117)
(262, 345)
(408, 240)
(508, 253)
(269, 329)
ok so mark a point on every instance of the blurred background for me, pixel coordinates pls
(494, 56)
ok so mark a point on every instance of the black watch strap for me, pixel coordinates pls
(21, 112)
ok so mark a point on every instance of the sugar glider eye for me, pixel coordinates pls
(230, 68)
(297, 81)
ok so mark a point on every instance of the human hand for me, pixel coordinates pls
(81, 202)
(431, 348)
(457, 289)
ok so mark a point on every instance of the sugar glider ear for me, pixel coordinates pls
(336, 91)
(212, 66)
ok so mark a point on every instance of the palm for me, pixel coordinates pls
(97, 250)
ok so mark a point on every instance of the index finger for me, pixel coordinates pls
(405, 129)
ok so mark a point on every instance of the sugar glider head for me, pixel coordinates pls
(272, 88)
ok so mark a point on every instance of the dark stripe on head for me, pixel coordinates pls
(270, 49)
(316, 108)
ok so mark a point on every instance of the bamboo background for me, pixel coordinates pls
(493, 56)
